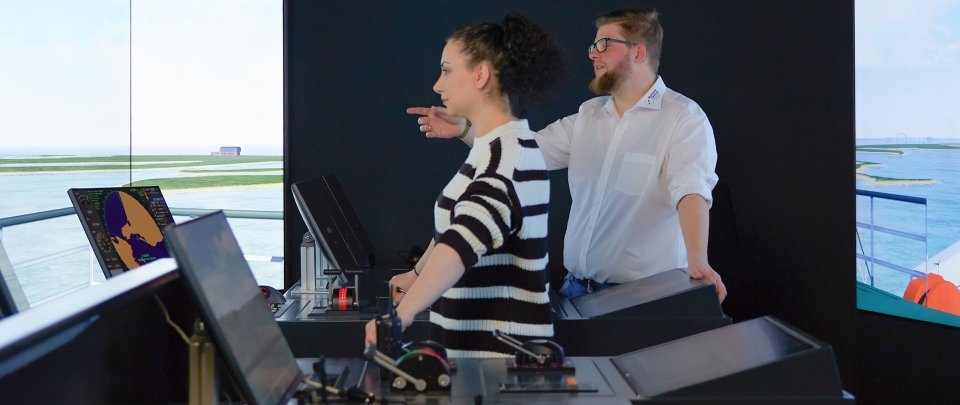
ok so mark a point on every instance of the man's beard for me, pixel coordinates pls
(607, 82)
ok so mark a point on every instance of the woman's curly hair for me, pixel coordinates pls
(525, 58)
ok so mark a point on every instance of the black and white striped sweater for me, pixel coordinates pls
(494, 214)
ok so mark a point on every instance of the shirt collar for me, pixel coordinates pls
(654, 96)
(519, 125)
(652, 99)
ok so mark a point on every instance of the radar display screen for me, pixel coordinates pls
(123, 225)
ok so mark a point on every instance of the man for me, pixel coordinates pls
(640, 161)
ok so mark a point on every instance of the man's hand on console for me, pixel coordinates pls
(702, 270)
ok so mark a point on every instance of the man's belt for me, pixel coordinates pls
(591, 285)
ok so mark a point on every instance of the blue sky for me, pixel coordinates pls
(205, 74)
(209, 73)
(907, 68)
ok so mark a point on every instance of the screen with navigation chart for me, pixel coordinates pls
(123, 224)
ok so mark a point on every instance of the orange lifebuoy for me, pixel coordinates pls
(915, 289)
(934, 292)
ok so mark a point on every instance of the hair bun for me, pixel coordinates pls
(527, 61)
(531, 64)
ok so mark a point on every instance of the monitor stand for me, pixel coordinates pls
(203, 367)
(327, 290)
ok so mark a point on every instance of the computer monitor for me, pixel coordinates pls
(12, 299)
(7, 305)
(240, 323)
(123, 224)
(333, 223)
(736, 359)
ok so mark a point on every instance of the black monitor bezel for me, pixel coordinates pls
(7, 305)
(772, 324)
(335, 210)
(217, 332)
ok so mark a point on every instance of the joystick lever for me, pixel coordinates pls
(516, 344)
(351, 394)
(389, 333)
(422, 366)
(535, 354)
(372, 354)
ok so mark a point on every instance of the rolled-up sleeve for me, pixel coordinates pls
(691, 160)
(554, 142)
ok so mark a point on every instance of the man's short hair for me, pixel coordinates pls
(640, 26)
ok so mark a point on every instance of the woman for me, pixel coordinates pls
(485, 268)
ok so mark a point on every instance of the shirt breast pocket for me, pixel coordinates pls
(636, 170)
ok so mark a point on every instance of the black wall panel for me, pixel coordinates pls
(775, 78)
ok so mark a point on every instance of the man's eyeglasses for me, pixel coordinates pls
(601, 44)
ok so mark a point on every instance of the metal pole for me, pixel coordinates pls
(926, 242)
(872, 237)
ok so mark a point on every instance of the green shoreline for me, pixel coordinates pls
(208, 181)
(147, 158)
(217, 165)
(897, 149)
(234, 170)
(887, 181)
(122, 163)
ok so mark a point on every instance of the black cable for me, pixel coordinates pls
(166, 317)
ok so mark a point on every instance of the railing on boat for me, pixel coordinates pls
(870, 259)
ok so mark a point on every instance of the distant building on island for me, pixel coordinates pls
(227, 151)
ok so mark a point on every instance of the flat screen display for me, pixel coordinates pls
(241, 324)
(708, 356)
(637, 292)
(333, 223)
(123, 225)
(7, 305)
(907, 158)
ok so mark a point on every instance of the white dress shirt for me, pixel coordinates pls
(626, 177)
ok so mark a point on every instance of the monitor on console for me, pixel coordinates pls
(123, 225)
(242, 326)
(710, 355)
(333, 223)
(12, 299)
(7, 305)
